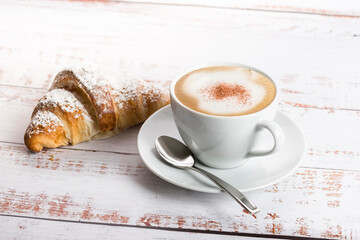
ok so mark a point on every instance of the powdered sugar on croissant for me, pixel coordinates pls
(83, 105)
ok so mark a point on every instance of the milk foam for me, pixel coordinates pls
(196, 83)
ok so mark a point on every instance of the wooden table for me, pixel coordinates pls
(102, 190)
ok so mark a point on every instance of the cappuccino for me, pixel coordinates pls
(225, 91)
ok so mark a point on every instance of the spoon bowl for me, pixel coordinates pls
(174, 152)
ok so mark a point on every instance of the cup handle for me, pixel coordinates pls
(278, 135)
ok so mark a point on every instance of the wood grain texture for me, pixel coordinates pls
(116, 188)
(24, 228)
(313, 58)
(334, 8)
(324, 147)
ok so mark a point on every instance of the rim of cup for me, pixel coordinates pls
(221, 64)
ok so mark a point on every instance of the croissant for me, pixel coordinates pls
(83, 105)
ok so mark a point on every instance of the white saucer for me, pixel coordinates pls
(258, 172)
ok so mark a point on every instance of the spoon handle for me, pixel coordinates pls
(236, 194)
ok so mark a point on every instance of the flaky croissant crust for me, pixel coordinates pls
(84, 105)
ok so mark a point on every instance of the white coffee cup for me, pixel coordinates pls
(225, 141)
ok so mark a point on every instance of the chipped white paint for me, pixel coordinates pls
(158, 42)
(116, 188)
(22, 228)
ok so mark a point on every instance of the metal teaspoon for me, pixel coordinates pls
(179, 155)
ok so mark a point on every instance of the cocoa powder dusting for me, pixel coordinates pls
(223, 91)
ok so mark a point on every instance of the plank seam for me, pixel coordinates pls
(239, 8)
(230, 8)
(77, 149)
(17, 86)
(136, 154)
(255, 235)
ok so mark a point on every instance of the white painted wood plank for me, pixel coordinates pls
(331, 136)
(313, 58)
(24, 228)
(115, 188)
(326, 7)
(324, 147)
